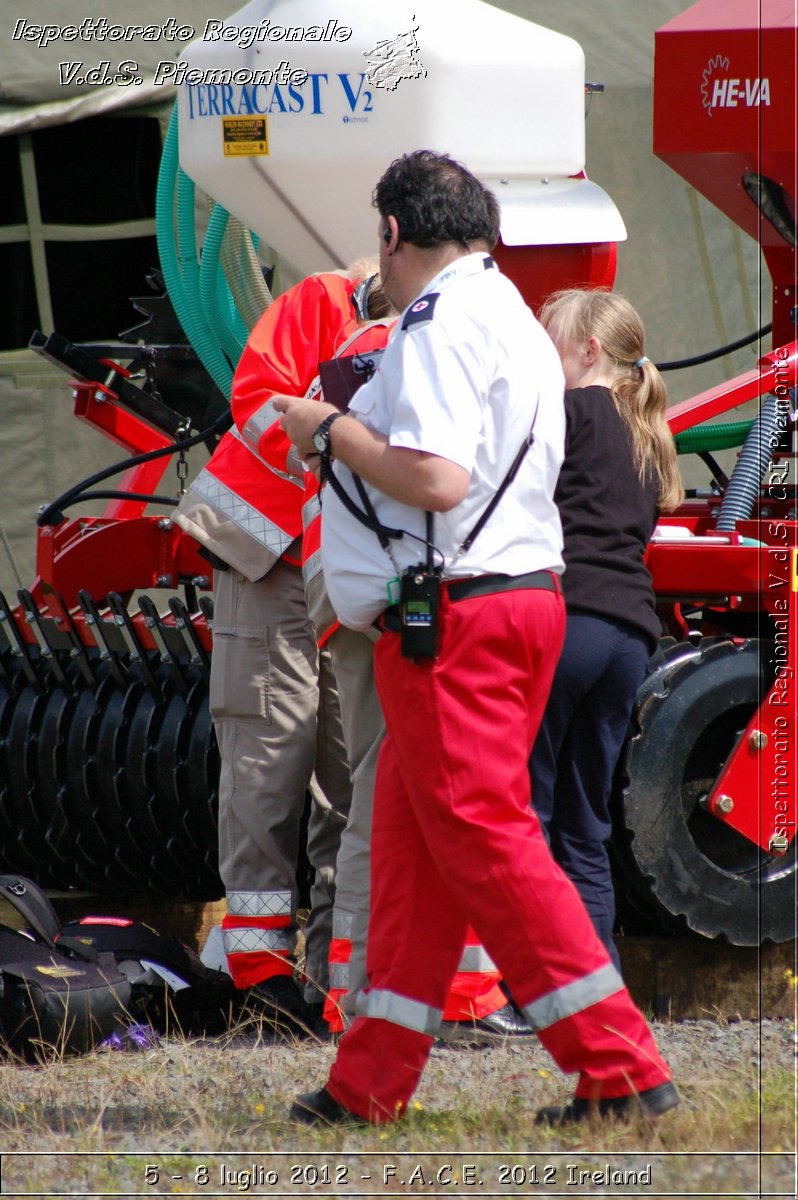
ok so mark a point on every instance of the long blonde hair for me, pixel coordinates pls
(577, 314)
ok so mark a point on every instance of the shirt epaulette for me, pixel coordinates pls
(422, 310)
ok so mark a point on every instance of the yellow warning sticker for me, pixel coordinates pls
(795, 570)
(58, 972)
(245, 135)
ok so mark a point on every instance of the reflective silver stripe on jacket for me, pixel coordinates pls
(295, 461)
(259, 904)
(339, 976)
(399, 1010)
(342, 924)
(573, 997)
(255, 941)
(476, 959)
(295, 476)
(241, 513)
(311, 566)
(311, 509)
(262, 419)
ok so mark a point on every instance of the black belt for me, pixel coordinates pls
(486, 585)
(479, 585)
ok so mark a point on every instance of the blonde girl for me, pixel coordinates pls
(619, 472)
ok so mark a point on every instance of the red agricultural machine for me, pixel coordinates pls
(108, 763)
(706, 819)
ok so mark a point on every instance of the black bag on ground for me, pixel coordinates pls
(53, 1003)
(171, 988)
(64, 989)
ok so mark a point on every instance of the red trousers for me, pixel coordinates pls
(455, 842)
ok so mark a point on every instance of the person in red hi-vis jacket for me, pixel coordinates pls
(476, 1007)
(272, 692)
(440, 524)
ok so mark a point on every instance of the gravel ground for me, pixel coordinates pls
(720, 1045)
(690, 1047)
(89, 1126)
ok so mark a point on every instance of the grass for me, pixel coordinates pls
(221, 1105)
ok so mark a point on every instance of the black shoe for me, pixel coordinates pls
(319, 1108)
(319, 1027)
(651, 1103)
(282, 1008)
(506, 1022)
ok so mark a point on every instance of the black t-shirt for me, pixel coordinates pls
(607, 514)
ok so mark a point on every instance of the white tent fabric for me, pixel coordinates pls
(36, 37)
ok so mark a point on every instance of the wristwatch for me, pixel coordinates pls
(321, 438)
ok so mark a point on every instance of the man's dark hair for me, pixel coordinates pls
(435, 199)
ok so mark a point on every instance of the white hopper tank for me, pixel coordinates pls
(296, 161)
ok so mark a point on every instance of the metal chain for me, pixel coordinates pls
(181, 462)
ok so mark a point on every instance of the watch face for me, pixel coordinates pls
(321, 438)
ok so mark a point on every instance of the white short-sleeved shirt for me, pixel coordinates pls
(467, 370)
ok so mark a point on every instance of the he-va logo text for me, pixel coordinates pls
(720, 90)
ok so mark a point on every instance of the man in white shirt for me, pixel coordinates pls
(470, 604)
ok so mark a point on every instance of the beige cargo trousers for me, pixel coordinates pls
(275, 710)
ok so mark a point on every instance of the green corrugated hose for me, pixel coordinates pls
(705, 438)
(215, 299)
(179, 263)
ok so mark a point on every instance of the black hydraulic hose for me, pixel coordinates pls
(711, 355)
(116, 495)
(51, 514)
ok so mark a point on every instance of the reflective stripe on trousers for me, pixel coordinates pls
(474, 992)
(254, 940)
(257, 936)
(340, 953)
(384, 1005)
(259, 904)
(562, 1002)
(573, 997)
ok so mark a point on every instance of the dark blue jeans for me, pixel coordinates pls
(600, 670)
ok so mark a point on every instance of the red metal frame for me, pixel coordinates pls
(756, 791)
(123, 550)
(775, 370)
(725, 75)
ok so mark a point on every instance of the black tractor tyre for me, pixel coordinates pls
(674, 859)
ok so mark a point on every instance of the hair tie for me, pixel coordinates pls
(642, 360)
